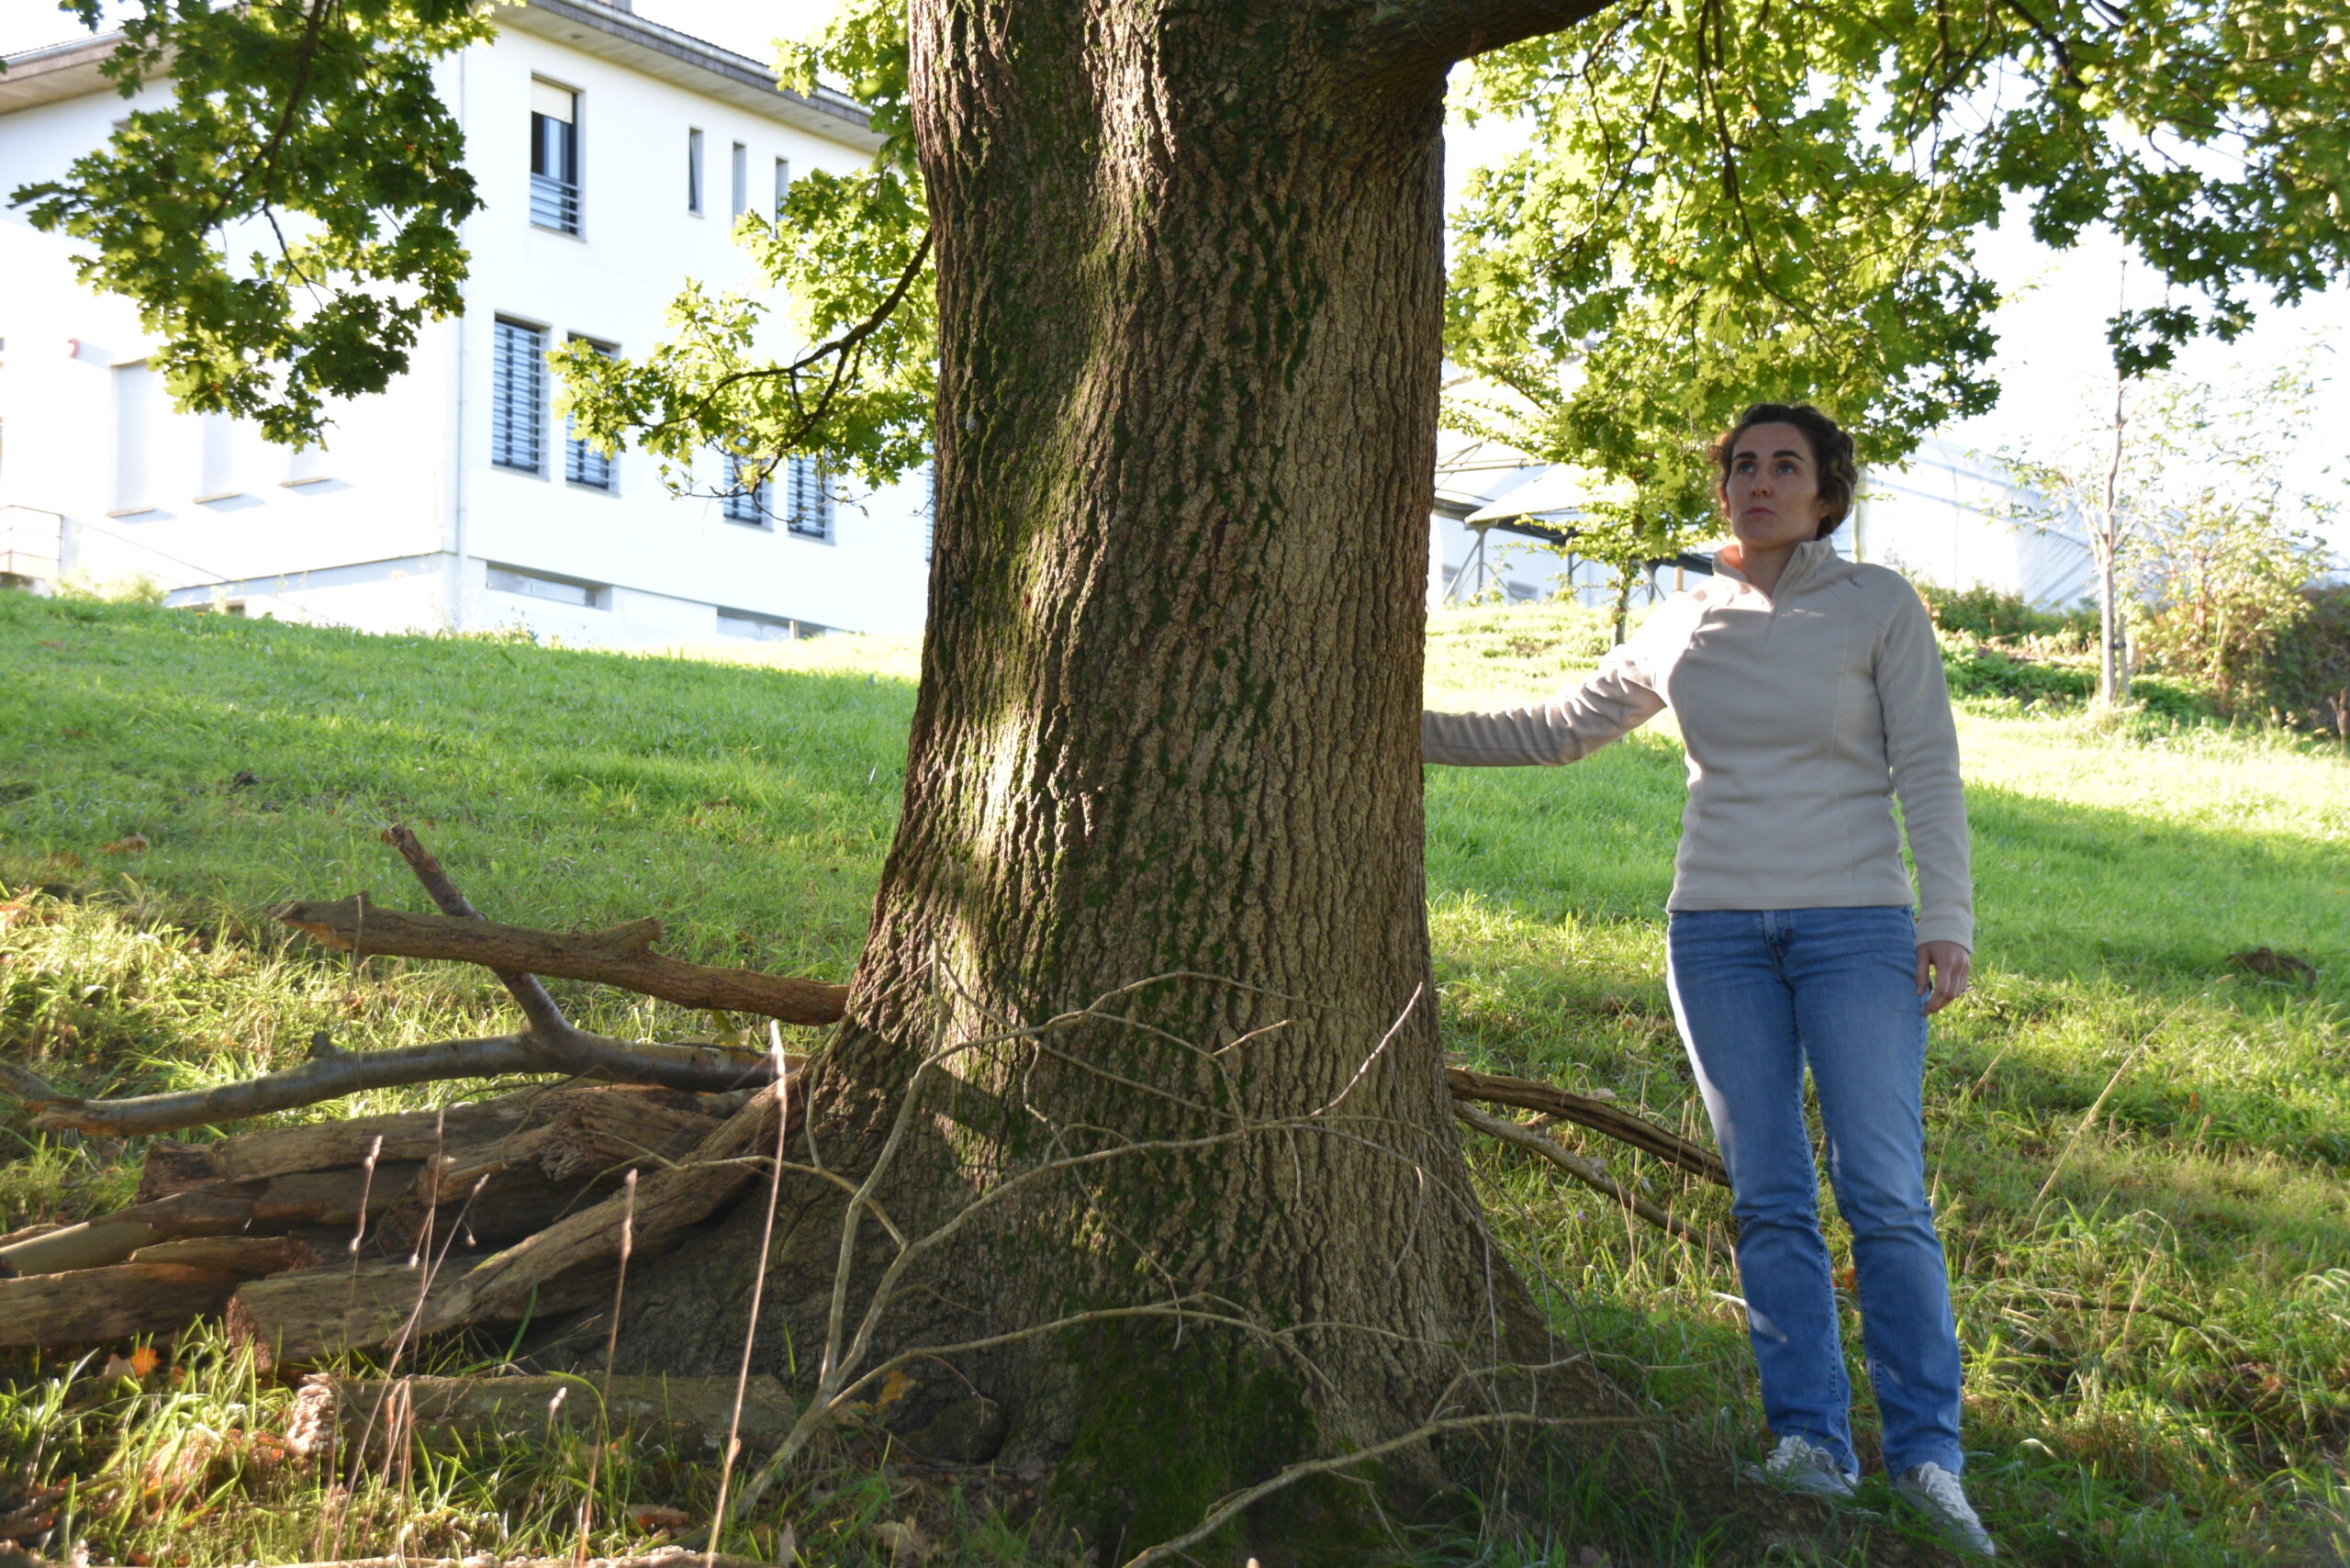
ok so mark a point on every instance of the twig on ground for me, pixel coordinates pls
(1590, 1175)
(718, 1517)
(1231, 1507)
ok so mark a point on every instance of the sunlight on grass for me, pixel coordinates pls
(2159, 1349)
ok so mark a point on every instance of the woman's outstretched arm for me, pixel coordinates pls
(1620, 695)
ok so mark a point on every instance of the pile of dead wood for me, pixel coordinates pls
(374, 1230)
(344, 1235)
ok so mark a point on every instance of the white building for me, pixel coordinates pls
(454, 500)
(1948, 517)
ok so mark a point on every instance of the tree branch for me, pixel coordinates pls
(837, 348)
(620, 955)
(1438, 32)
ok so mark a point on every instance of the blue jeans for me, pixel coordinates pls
(1758, 994)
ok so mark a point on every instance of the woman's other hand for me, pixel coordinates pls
(1942, 974)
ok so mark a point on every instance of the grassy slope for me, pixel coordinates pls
(749, 806)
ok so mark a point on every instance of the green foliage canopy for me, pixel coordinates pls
(290, 220)
(1724, 198)
(1725, 201)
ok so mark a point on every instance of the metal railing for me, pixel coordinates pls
(30, 543)
(554, 204)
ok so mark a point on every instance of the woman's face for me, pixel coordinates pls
(1771, 494)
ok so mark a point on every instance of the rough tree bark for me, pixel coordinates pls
(1190, 268)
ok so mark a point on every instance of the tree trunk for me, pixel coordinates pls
(1190, 269)
(2113, 663)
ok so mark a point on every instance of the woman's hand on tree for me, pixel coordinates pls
(1942, 969)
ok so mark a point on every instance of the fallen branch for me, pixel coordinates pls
(666, 1200)
(1584, 1111)
(1590, 1175)
(546, 1032)
(334, 1076)
(261, 1207)
(295, 1319)
(619, 956)
(404, 1135)
(92, 1306)
(247, 1257)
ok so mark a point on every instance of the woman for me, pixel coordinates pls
(1809, 691)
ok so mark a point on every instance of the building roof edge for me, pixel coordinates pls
(71, 70)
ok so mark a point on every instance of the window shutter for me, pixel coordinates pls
(582, 464)
(517, 396)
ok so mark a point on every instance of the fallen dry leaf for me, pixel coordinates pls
(908, 1546)
(896, 1387)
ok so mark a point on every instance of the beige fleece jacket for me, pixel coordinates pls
(1804, 711)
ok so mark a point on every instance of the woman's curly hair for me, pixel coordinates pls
(1831, 455)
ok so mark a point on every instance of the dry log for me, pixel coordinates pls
(595, 1134)
(666, 1200)
(92, 1306)
(173, 1167)
(491, 1207)
(295, 1319)
(1590, 1174)
(1599, 1116)
(691, 1067)
(261, 1207)
(247, 1257)
(406, 1135)
(620, 956)
(687, 1413)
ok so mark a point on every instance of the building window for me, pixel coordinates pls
(554, 157)
(693, 171)
(746, 494)
(782, 183)
(558, 590)
(808, 505)
(761, 627)
(741, 179)
(585, 464)
(518, 381)
(215, 473)
(134, 396)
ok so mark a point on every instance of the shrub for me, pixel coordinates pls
(1989, 616)
(2308, 671)
(2224, 603)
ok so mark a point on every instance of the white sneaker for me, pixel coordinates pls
(1798, 1465)
(1935, 1493)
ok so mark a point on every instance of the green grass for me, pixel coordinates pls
(2159, 1349)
